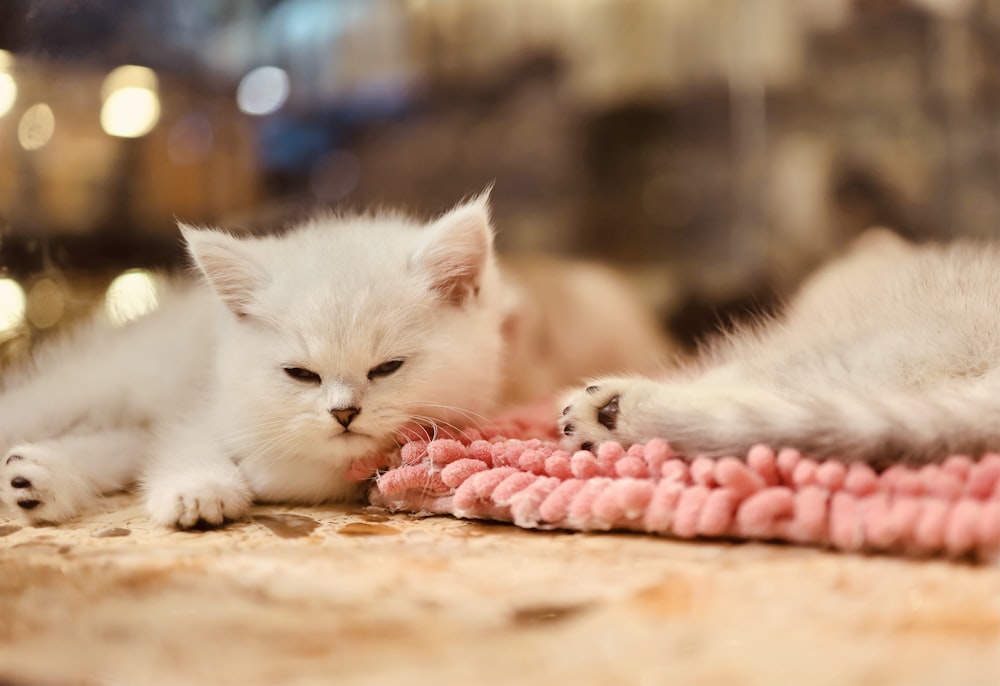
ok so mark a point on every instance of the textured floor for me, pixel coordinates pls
(326, 595)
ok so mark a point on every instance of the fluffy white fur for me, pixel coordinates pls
(891, 354)
(381, 321)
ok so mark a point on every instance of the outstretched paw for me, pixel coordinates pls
(190, 500)
(39, 489)
(601, 412)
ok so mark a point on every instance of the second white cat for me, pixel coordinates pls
(889, 355)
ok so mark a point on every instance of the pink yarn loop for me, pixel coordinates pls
(514, 471)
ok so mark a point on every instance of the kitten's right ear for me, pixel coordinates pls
(230, 270)
(456, 249)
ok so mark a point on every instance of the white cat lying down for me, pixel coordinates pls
(891, 354)
(305, 352)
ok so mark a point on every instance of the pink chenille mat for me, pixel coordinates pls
(514, 471)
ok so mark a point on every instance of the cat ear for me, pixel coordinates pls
(457, 248)
(231, 272)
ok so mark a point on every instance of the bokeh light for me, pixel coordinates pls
(129, 76)
(46, 303)
(8, 86)
(131, 101)
(12, 305)
(36, 127)
(8, 93)
(131, 295)
(130, 112)
(262, 91)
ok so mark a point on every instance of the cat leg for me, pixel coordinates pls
(53, 480)
(697, 418)
(191, 481)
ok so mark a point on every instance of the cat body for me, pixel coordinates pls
(890, 354)
(295, 356)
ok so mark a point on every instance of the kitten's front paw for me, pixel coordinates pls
(601, 412)
(34, 484)
(187, 500)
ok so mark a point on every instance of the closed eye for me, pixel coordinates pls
(384, 369)
(303, 375)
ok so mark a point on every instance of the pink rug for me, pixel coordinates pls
(515, 472)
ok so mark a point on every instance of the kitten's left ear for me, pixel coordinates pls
(232, 272)
(457, 248)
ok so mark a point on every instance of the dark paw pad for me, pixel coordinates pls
(28, 504)
(20, 482)
(607, 416)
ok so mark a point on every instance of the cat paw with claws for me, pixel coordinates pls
(40, 492)
(606, 410)
(186, 501)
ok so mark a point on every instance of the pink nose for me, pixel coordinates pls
(344, 416)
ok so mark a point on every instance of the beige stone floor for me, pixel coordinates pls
(355, 596)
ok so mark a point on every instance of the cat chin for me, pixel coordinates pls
(344, 448)
(348, 447)
(301, 481)
(318, 472)
(351, 436)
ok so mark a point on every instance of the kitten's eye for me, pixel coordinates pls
(384, 369)
(300, 374)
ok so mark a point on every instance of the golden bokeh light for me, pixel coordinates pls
(8, 93)
(129, 76)
(12, 305)
(131, 101)
(46, 303)
(36, 127)
(131, 295)
(130, 112)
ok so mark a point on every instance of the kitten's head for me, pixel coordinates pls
(340, 332)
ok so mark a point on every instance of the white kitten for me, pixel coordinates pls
(302, 353)
(891, 354)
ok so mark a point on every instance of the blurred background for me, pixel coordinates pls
(714, 150)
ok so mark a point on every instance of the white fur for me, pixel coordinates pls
(193, 399)
(891, 354)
